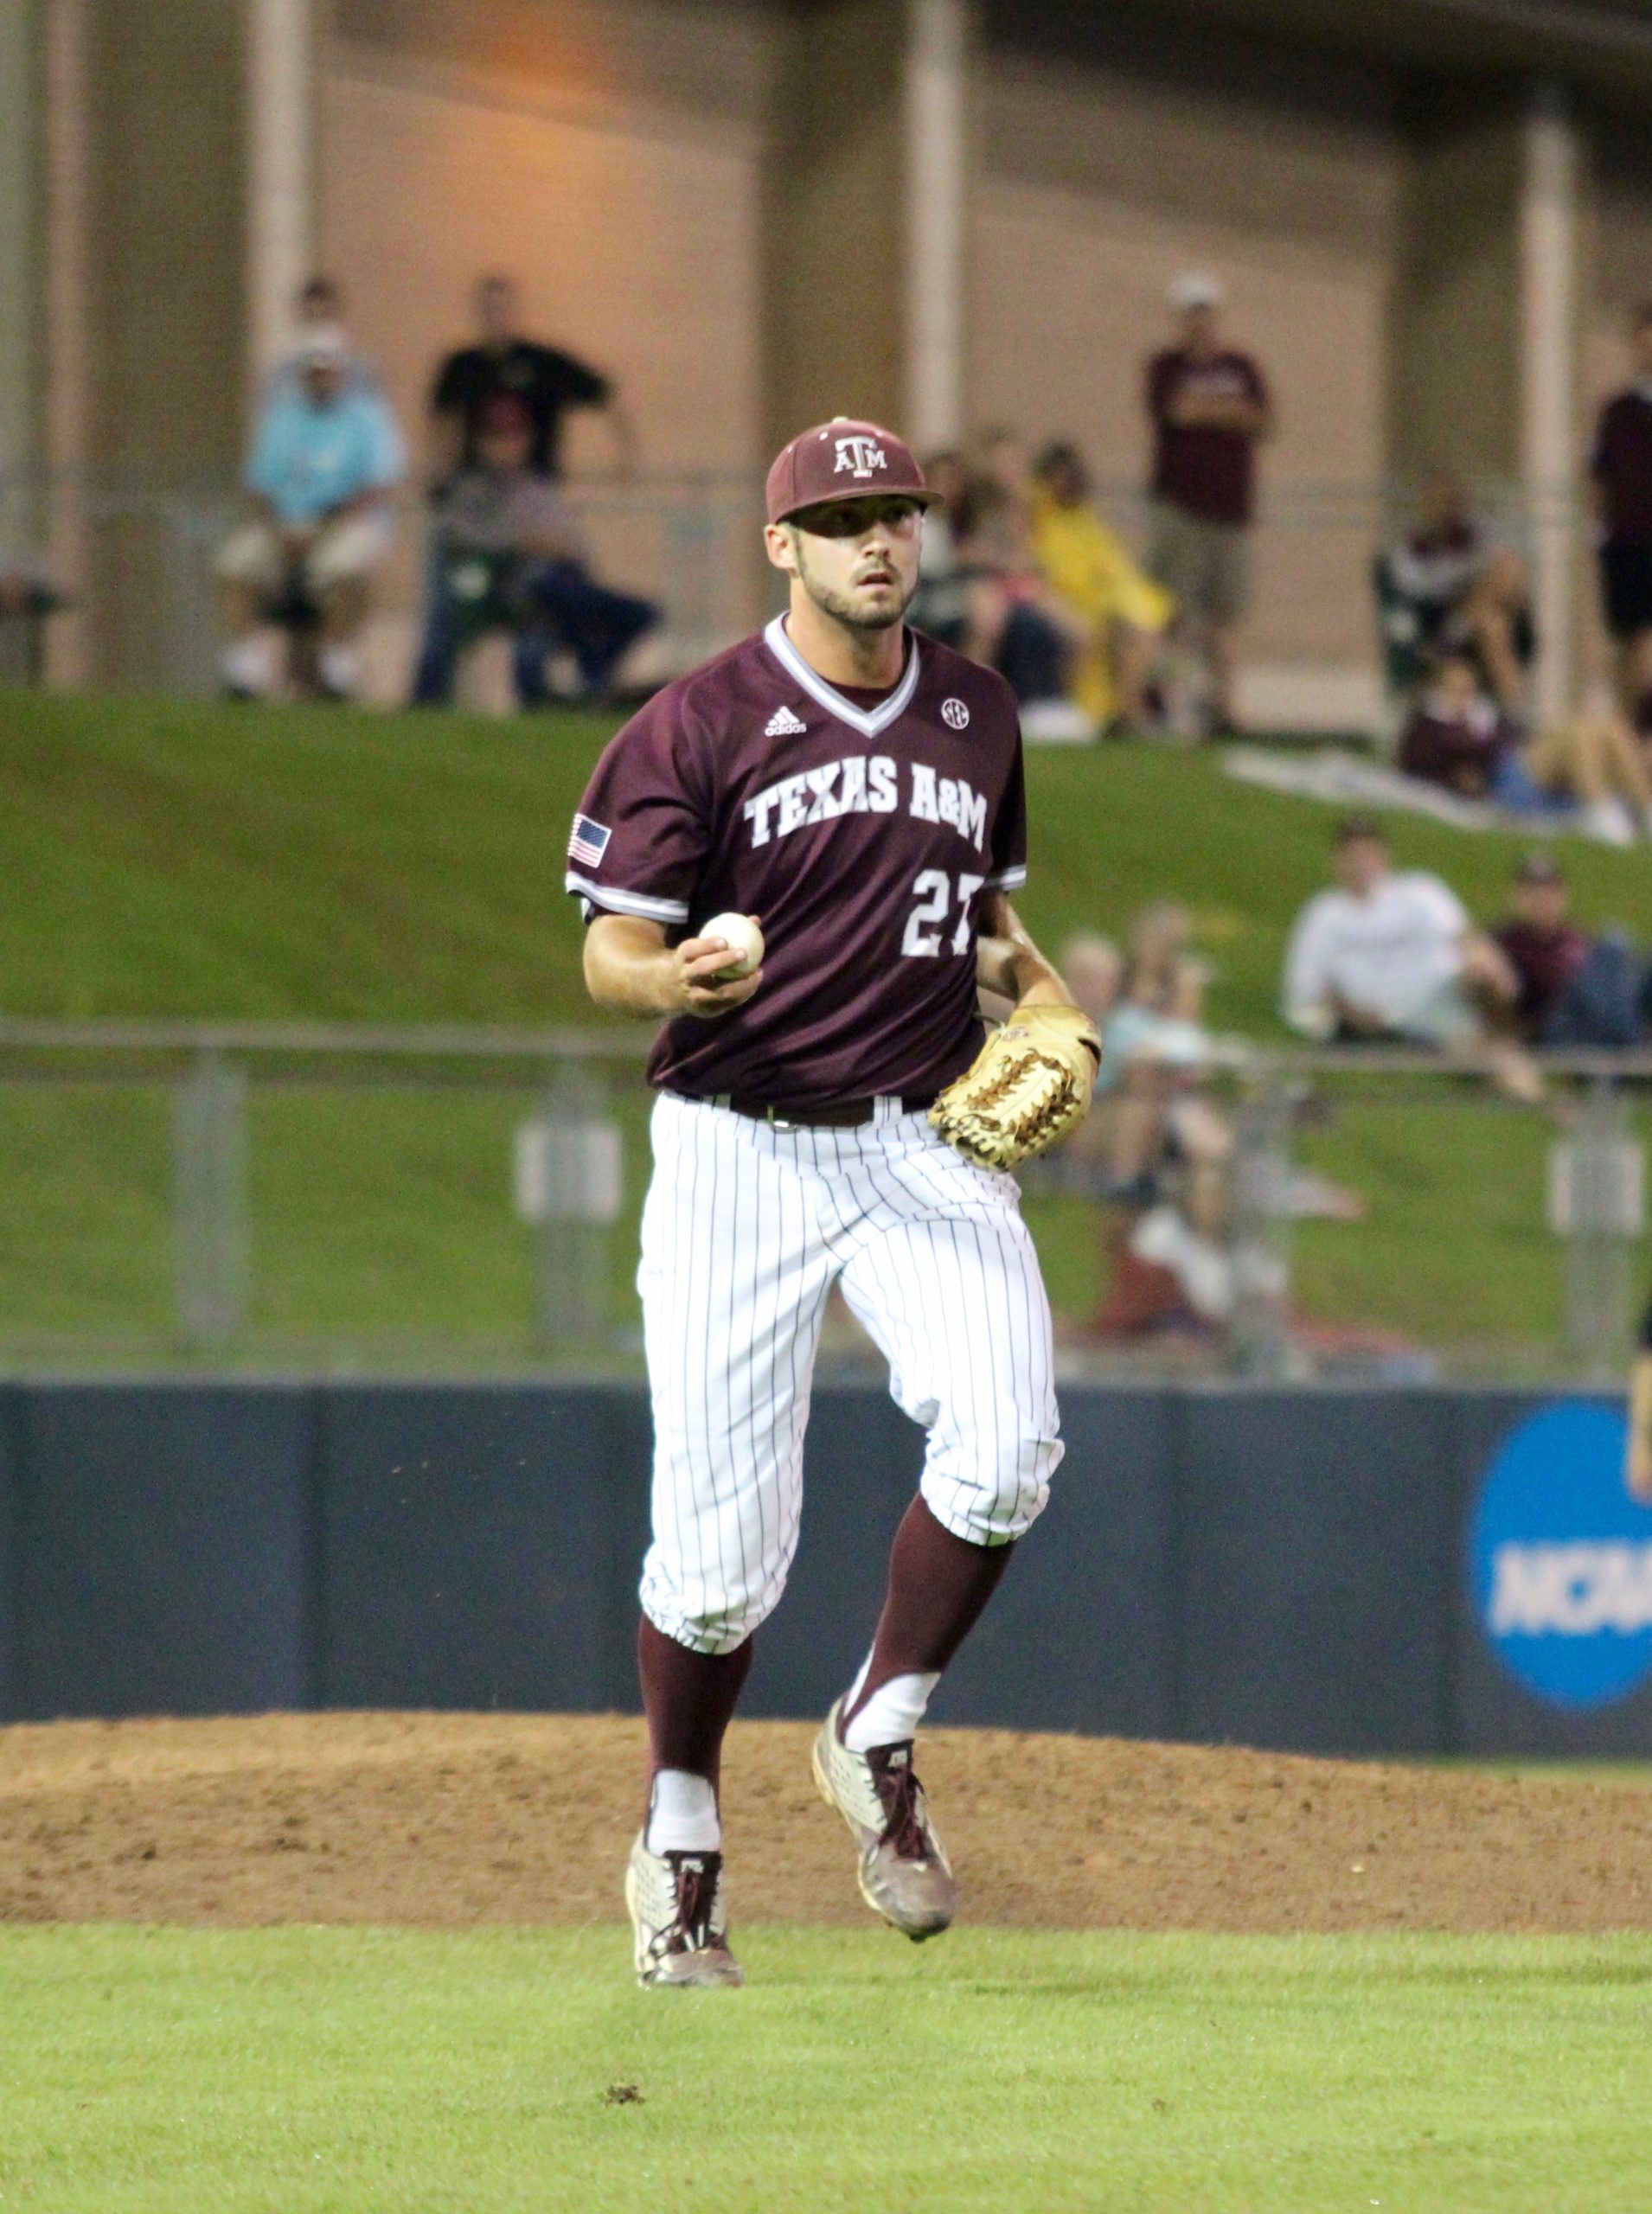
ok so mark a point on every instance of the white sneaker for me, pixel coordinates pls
(680, 1925)
(903, 1873)
(339, 671)
(1610, 822)
(247, 668)
(1056, 722)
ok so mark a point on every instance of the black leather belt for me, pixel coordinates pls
(838, 1115)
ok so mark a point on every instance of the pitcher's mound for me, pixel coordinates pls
(458, 1818)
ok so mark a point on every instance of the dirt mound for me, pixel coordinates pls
(451, 1819)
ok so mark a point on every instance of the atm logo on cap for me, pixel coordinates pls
(860, 457)
(1560, 1559)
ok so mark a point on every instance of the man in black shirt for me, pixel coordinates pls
(1621, 466)
(547, 381)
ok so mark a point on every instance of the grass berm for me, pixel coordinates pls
(186, 859)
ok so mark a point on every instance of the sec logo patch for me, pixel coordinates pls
(955, 714)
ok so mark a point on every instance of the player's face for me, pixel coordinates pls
(857, 560)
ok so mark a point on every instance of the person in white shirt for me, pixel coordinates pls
(1392, 954)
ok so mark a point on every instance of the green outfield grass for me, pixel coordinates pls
(376, 2071)
(182, 859)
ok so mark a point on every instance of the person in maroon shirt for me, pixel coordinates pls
(1545, 948)
(1588, 767)
(1621, 467)
(857, 789)
(1209, 407)
(1574, 988)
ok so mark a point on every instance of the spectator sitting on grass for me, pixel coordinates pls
(941, 604)
(1588, 768)
(507, 554)
(325, 460)
(1573, 988)
(1448, 586)
(1162, 1146)
(1151, 1110)
(1389, 955)
(1017, 624)
(1088, 568)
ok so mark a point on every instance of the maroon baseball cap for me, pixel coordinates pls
(844, 459)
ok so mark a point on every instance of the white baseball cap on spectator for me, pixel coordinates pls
(323, 347)
(1195, 288)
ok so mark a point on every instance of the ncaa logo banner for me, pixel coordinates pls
(1560, 1559)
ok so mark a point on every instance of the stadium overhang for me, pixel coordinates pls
(1604, 50)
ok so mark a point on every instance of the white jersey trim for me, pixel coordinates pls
(1006, 880)
(868, 723)
(627, 903)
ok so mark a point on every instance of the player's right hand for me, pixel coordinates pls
(699, 964)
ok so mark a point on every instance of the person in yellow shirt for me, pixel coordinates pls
(1090, 567)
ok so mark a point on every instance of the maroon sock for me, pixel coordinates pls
(689, 1698)
(937, 1586)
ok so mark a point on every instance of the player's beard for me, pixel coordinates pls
(841, 608)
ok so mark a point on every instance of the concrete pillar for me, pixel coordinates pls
(147, 239)
(1549, 347)
(937, 242)
(864, 218)
(1484, 331)
(65, 408)
(1455, 372)
(23, 332)
(281, 163)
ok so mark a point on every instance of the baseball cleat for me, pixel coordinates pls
(675, 1903)
(904, 1874)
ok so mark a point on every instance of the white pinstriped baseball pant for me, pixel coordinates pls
(746, 1229)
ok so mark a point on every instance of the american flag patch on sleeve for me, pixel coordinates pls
(589, 842)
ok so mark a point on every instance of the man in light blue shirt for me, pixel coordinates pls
(326, 457)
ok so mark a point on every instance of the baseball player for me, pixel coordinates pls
(856, 788)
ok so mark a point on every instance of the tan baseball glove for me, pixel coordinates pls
(1028, 1085)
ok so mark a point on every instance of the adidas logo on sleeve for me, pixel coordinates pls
(784, 724)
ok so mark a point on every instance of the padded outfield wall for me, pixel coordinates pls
(1289, 1569)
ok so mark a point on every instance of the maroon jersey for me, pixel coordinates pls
(1459, 747)
(1622, 465)
(863, 829)
(1544, 962)
(1201, 467)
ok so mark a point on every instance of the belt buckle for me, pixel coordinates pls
(777, 1122)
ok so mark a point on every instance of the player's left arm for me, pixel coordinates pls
(1008, 963)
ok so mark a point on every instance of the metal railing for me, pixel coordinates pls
(689, 540)
(684, 541)
(566, 1178)
(564, 1152)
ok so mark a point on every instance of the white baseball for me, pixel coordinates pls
(744, 944)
